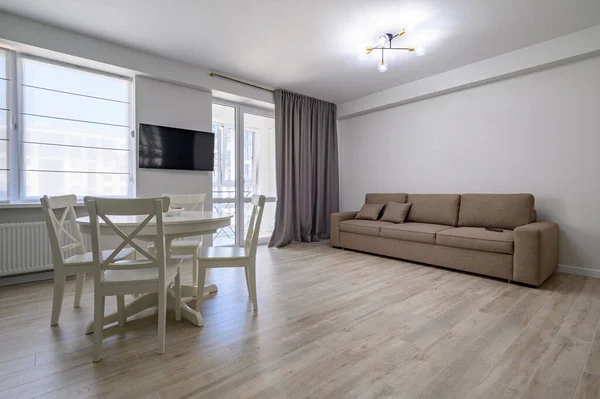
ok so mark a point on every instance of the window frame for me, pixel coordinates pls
(239, 128)
(16, 153)
(13, 134)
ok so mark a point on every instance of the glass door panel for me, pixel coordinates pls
(258, 169)
(224, 175)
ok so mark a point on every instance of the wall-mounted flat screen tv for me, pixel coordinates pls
(162, 147)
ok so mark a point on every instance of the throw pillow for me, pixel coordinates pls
(395, 212)
(369, 211)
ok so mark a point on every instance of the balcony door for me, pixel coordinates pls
(244, 166)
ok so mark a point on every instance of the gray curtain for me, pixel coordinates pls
(306, 159)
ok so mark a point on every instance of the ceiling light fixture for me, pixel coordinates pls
(384, 42)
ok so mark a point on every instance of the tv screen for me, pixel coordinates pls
(162, 147)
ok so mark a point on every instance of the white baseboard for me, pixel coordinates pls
(26, 278)
(579, 271)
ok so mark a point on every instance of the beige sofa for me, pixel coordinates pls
(449, 230)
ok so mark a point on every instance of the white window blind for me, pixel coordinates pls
(4, 121)
(74, 132)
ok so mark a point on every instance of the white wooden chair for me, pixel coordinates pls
(148, 274)
(213, 257)
(63, 239)
(187, 247)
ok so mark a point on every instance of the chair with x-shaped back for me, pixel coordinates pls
(65, 237)
(150, 273)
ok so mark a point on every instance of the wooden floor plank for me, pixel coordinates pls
(506, 300)
(593, 362)
(332, 324)
(463, 374)
(589, 387)
(560, 370)
(583, 319)
(510, 376)
(514, 321)
(564, 298)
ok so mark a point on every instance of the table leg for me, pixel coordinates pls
(144, 302)
(148, 301)
(188, 291)
(187, 312)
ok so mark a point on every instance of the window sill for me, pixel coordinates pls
(25, 204)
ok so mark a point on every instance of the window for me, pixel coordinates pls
(244, 165)
(74, 132)
(63, 130)
(224, 168)
(4, 121)
(250, 164)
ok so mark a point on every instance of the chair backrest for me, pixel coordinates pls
(190, 202)
(258, 205)
(147, 209)
(61, 239)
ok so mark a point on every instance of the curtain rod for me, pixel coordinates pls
(240, 82)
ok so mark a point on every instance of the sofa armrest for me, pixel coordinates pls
(536, 252)
(335, 220)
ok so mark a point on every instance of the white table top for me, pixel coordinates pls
(185, 217)
(187, 224)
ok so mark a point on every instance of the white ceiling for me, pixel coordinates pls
(309, 46)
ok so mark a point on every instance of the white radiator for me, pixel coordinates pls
(25, 248)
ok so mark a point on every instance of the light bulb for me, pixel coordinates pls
(420, 50)
(361, 52)
(382, 67)
(382, 40)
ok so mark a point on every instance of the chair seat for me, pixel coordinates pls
(186, 244)
(222, 253)
(411, 231)
(182, 245)
(146, 274)
(88, 257)
(477, 238)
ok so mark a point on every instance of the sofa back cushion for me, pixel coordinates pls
(395, 212)
(505, 211)
(384, 198)
(434, 208)
(369, 212)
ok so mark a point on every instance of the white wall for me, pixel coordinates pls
(561, 50)
(30, 36)
(537, 133)
(167, 104)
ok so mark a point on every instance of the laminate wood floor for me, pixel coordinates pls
(331, 324)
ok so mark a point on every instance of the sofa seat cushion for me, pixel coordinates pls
(366, 227)
(417, 232)
(478, 239)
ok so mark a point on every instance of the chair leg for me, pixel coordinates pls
(98, 326)
(200, 282)
(247, 281)
(178, 296)
(195, 268)
(162, 318)
(59, 293)
(78, 289)
(121, 309)
(252, 273)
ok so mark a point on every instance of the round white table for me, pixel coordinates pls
(185, 225)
